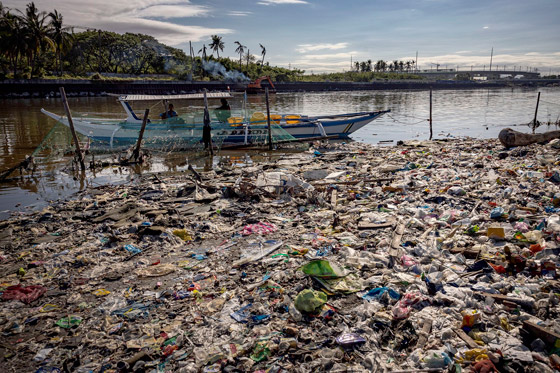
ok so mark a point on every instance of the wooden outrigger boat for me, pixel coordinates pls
(237, 129)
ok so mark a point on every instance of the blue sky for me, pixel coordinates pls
(323, 35)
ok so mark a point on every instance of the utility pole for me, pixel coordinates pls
(491, 55)
(416, 63)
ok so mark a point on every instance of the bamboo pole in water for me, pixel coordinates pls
(431, 133)
(268, 119)
(136, 152)
(71, 124)
(536, 111)
(206, 128)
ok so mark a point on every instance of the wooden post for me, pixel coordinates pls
(431, 133)
(536, 111)
(268, 119)
(206, 128)
(136, 152)
(71, 124)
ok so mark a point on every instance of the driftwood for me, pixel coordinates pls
(27, 164)
(510, 138)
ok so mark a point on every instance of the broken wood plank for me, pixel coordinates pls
(528, 304)
(551, 338)
(369, 225)
(468, 340)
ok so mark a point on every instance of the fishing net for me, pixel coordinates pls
(182, 133)
(548, 116)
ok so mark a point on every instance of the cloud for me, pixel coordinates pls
(239, 13)
(172, 11)
(278, 2)
(136, 16)
(303, 48)
(499, 61)
(329, 56)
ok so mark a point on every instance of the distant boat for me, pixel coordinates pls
(237, 129)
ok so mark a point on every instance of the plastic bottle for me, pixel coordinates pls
(294, 313)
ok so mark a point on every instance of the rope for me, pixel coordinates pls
(398, 121)
(551, 103)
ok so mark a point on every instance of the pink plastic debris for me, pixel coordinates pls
(401, 310)
(259, 228)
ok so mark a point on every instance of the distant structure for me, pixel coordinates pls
(453, 74)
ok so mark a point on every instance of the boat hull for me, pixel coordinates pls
(123, 133)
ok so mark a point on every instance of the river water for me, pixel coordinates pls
(479, 113)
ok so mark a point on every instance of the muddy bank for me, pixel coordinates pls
(347, 257)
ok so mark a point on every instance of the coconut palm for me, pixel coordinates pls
(203, 50)
(60, 35)
(12, 43)
(250, 58)
(263, 53)
(217, 45)
(240, 49)
(36, 34)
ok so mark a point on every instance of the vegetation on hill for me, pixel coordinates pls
(37, 44)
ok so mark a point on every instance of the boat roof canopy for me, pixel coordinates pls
(189, 96)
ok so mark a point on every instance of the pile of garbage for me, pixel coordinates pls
(425, 256)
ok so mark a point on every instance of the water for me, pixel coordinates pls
(477, 113)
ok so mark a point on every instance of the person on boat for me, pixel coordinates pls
(223, 112)
(170, 113)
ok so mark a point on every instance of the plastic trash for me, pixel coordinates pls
(310, 301)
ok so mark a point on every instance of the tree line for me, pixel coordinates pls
(385, 66)
(36, 44)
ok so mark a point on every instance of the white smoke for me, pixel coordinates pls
(216, 68)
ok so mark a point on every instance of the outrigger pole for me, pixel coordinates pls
(136, 152)
(268, 119)
(71, 124)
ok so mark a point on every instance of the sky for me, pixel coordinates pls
(326, 35)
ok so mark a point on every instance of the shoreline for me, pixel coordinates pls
(214, 273)
(43, 88)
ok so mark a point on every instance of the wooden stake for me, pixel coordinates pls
(136, 152)
(536, 111)
(71, 124)
(431, 133)
(206, 128)
(268, 119)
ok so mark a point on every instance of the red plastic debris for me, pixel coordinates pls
(25, 294)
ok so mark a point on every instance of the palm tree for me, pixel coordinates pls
(250, 58)
(217, 45)
(60, 35)
(203, 50)
(240, 49)
(35, 33)
(11, 39)
(263, 53)
(363, 66)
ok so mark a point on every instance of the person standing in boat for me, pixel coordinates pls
(170, 113)
(223, 112)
